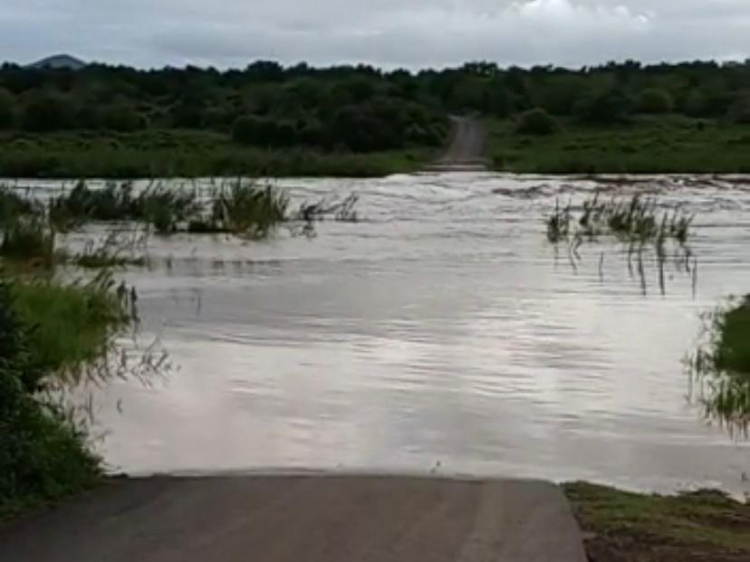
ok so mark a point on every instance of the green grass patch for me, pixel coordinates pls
(48, 333)
(705, 525)
(178, 153)
(71, 326)
(644, 145)
(720, 366)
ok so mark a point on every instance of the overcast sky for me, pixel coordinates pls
(391, 33)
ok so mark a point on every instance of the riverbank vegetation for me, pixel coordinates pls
(52, 334)
(186, 154)
(642, 144)
(720, 366)
(33, 226)
(266, 119)
(702, 526)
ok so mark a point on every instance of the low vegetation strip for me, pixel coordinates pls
(540, 143)
(702, 526)
(51, 334)
(187, 154)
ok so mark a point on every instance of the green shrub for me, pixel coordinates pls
(71, 325)
(259, 131)
(28, 240)
(607, 107)
(722, 365)
(733, 343)
(45, 113)
(739, 113)
(122, 117)
(7, 109)
(654, 101)
(537, 122)
(43, 457)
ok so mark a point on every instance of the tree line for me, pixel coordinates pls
(358, 108)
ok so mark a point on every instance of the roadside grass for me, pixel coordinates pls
(623, 526)
(671, 144)
(51, 335)
(71, 326)
(184, 154)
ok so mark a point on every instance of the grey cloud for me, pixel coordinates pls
(389, 32)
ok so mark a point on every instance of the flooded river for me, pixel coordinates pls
(440, 334)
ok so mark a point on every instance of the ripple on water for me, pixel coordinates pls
(442, 328)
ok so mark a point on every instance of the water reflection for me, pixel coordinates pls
(439, 329)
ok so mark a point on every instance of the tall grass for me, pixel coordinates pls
(28, 240)
(14, 205)
(240, 207)
(720, 366)
(71, 327)
(634, 220)
(51, 334)
(248, 210)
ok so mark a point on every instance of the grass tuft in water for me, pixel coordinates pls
(28, 240)
(634, 220)
(720, 366)
(247, 209)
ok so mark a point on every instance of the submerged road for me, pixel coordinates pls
(466, 149)
(302, 519)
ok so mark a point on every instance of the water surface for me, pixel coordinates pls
(441, 334)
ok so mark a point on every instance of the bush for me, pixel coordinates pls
(46, 113)
(7, 109)
(739, 113)
(537, 122)
(71, 325)
(122, 117)
(610, 107)
(654, 101)
(27, 240)
(43, 457)
(264, 132)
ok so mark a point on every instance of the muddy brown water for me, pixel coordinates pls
(440, 334)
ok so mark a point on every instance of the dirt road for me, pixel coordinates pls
(302, 519)
(466, 150)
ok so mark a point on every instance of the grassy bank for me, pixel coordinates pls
(625, 527)
(49, 332)
(644, 145)
(176, 153)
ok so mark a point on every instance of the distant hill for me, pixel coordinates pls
(58, 62)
